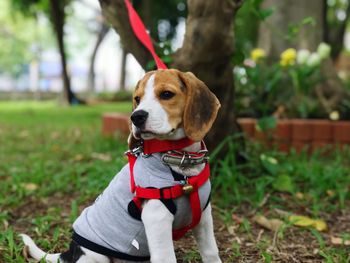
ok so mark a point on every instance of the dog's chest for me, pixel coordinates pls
(109, 218)
(150, 172)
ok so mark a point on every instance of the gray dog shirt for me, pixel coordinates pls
(107, 227)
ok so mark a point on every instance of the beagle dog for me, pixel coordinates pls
(168, 106)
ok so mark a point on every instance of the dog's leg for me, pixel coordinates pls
(204, 234)
(158, 223)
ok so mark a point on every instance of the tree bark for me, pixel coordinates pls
(122, 71)
(116, 14)
(207, 50)
(335, 37)
(58, 19)
(100, 36)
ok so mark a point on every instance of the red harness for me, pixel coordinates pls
(190, 188)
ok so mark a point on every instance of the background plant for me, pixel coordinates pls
(285, 87)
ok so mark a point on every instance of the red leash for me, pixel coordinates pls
(193, 183)
(140, 32)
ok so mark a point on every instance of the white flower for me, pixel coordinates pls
(324, 50)
(334, 115)
(314, 60)
(302, 56)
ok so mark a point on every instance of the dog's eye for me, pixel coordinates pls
(137, 100)
(166, 95)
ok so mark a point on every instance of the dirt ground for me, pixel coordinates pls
(236, 245)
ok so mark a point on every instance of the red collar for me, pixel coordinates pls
(155, 146)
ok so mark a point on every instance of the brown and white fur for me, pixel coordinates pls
(176, 105)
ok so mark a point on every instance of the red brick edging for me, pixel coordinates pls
(115, 123)
(300, 133)
(293, 133)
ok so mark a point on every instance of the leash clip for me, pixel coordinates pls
(135, 151)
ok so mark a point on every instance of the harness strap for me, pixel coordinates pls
(173, 192)
(132, 160)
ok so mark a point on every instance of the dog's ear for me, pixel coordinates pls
(201, 107)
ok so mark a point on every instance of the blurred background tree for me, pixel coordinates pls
(209, 39)
(56, 12)
(17, 33)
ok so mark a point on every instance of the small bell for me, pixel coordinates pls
(187, 188)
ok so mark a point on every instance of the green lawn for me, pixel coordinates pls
(54, 161)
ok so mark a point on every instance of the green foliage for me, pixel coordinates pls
(321, 178)
(247, 21)
(156, 12)
(49, 170)
(51, 154)
(287, 86)
(17, 35)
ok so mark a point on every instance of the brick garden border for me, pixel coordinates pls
(300, 133)
(293, 133)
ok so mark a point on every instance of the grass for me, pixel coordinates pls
(54, 161)
(51, 154)
(320, 181)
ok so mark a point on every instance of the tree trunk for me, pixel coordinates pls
(100, 36)
(335, 37)
(122, 71)
(57, 19)
(116, 14)
(207, 50)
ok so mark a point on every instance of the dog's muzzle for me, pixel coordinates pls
(139, 118)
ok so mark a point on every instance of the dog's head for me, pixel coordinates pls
(169, 104)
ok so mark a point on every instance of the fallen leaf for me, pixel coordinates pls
(23, 134)
(304, 221)
(101, 156)
(237, 219)
(77, 133)
(78, 157)
(6, 224)
(270, 224)
(56, 148)
(55, 135)
(282, 212)
(231, 230)
(30, 186)
(299, 196)
(339, 241)
(330, 193)
(320, 225)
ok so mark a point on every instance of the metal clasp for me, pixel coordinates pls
(136, 151)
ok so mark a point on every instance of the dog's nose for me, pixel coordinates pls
(139, 118)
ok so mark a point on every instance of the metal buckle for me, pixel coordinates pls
(136, 151)
(181, 166)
